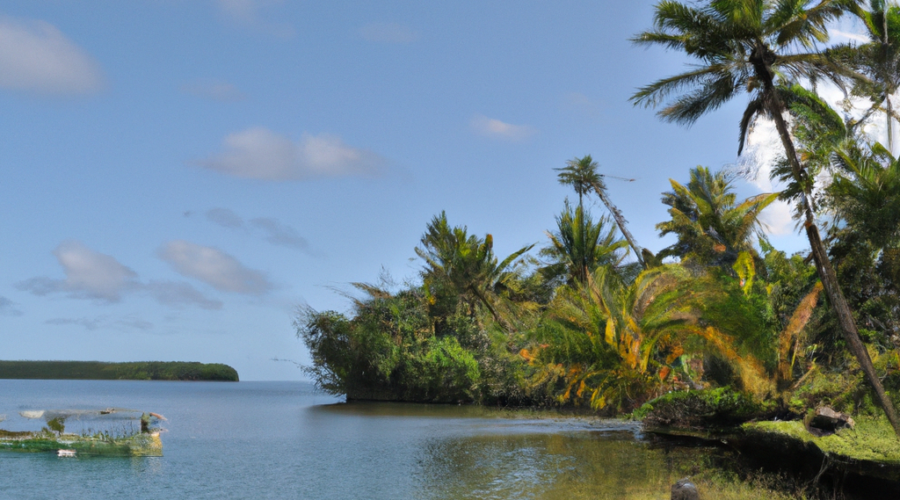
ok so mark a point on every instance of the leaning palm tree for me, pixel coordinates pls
(748, 45)
(581, 174)
(708, 221)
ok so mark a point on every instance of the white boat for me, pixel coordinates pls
(65, 453)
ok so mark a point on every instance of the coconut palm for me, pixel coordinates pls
(877, 61)
(749, 45)
(465, 263)
(580, 245)
(866, 192)
(709, 224)
(581, 174)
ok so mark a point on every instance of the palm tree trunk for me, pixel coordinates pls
(620, 221)
(890, 119)
(826, 271)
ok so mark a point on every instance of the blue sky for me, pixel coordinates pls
(178, 176)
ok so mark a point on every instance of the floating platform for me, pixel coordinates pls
(107, 432)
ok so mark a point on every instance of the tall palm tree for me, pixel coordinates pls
(747, 45)
(466, 263)
(877, 61)
(708, 222)
(580, 245)
(581, 174)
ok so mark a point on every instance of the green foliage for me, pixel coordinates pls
(713, 408)
(711, 227)
(579, 246)
(95, 370)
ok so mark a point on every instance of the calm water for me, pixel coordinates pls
(285, 440)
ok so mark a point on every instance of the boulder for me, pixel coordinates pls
(685, 490)
(826, 421)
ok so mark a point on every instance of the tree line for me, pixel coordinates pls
(579, 322)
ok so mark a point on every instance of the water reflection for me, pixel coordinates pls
(485, 453)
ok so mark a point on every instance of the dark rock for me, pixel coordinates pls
(826, 421)
(685, 490)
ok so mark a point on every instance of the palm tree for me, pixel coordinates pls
(581, 174)
(465, 263)
(707, 221)
(877, 61)
(580, 245)
(620, 345)
(866, 192)
(746, 45)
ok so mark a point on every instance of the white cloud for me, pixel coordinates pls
(214, 267)
(493, 128)
(778, 218)
(89, 274)
(856, 37)
(93, 275)
(36, 57)
(259, 153)
(248, 13)
(216, 90)
(8, 307)
(388, 33)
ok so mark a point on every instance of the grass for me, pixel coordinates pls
(872, 439)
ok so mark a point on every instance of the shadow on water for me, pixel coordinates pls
(488, 453)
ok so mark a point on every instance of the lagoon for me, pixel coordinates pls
(287, 440)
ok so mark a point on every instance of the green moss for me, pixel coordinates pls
(872, 439)
(699, 409)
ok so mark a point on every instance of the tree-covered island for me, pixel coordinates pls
(719, 332)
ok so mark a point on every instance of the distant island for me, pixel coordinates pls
(97, 370)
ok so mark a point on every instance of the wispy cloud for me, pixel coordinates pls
(100, 277)
(179, 294)
(496, 129)
(856, 37)
(214, 267)
(259, 153)
(36, 57)
(249, 14)
(8, 307)
(216, 90)
(105, 322)
(272, 230)
(583, 104)
(388, 33)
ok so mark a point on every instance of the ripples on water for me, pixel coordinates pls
(285, 440)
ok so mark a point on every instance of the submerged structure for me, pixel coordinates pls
(108, 431)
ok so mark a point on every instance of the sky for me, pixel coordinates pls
(177, 177)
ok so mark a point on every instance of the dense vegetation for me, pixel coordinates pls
(592, 319)
(96, 370)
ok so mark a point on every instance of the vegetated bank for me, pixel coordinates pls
(97, 370)
(739, 339)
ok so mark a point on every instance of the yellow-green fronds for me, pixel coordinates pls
(751, 372)
(791, 334)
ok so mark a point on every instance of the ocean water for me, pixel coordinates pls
(286, 440)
